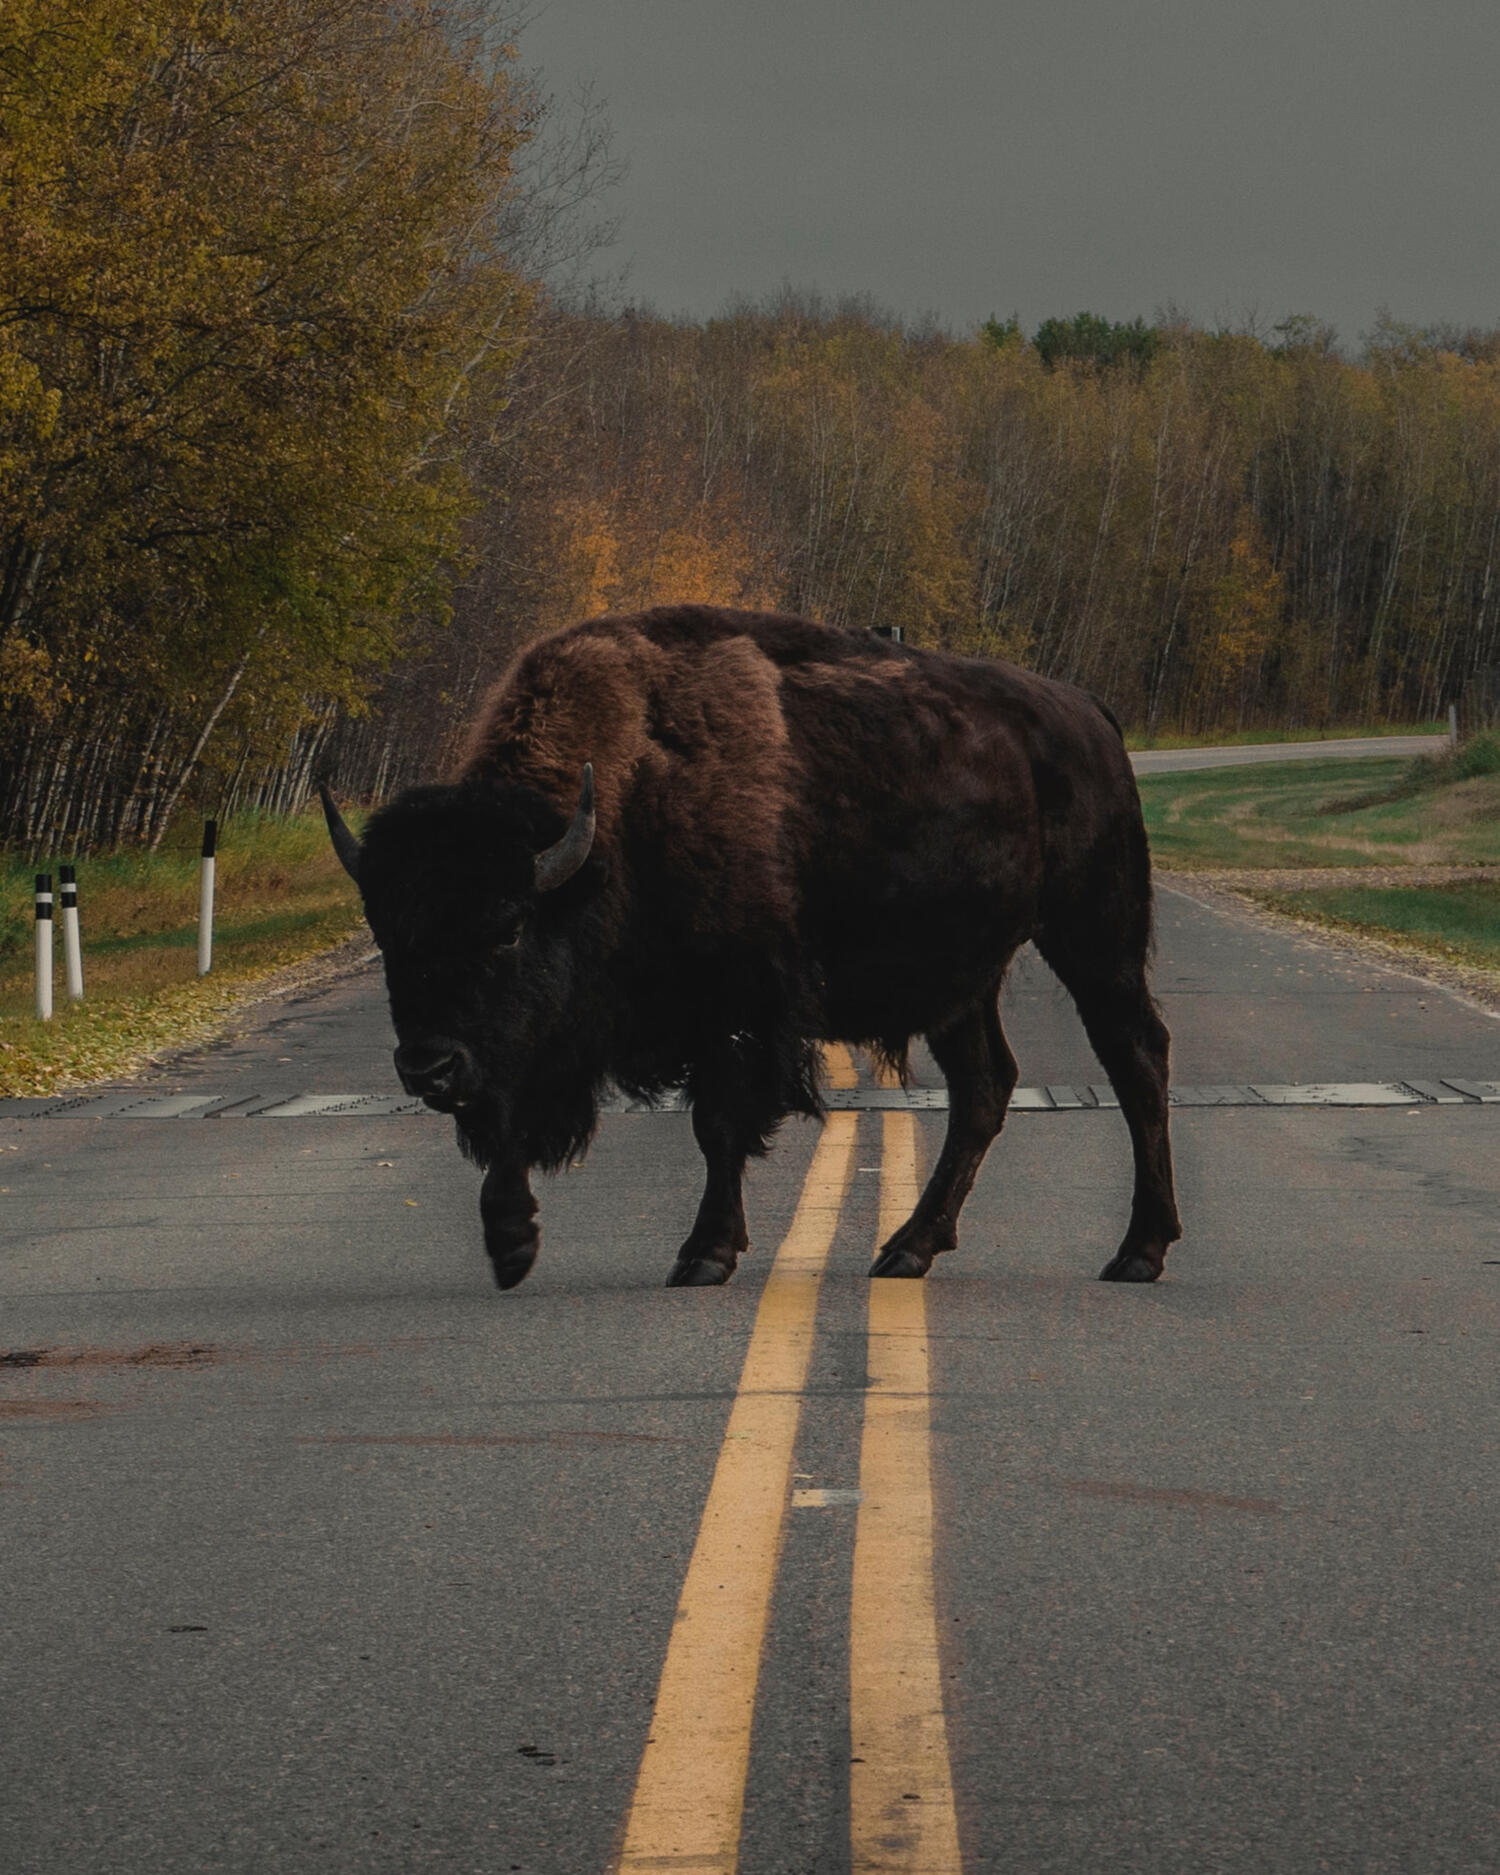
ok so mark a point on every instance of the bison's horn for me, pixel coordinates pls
(344, 842)
(555, 865)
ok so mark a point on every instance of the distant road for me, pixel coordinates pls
(1351, 748)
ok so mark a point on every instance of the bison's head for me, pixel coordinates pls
(462, 889)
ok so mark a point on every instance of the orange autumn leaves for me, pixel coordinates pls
(622, 553)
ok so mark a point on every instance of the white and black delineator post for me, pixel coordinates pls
(44, 947)
(67, 891)
(206, 900)
(1452, 725)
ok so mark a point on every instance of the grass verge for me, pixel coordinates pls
(1459, 922)
(1370, 812)
(281, 898)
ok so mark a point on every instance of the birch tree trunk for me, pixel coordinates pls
(164, 812)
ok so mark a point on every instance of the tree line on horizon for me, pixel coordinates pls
(1209, 530)
(296, 451)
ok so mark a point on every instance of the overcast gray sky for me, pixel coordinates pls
(1048, 156)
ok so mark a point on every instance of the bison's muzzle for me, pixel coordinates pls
(439, 1071)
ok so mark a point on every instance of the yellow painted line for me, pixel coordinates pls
(690, 1790)
(901, 1809)
(838, 1065)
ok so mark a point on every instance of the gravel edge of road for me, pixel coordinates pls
(319, 971)
(1319, 878)
(308, 973)
(1233, 893)
(251, 997)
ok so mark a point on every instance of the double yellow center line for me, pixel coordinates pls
(690, 1791)
(691, 1788)
(901, 1810)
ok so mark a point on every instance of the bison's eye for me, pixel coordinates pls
(508, 936)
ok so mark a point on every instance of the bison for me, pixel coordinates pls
(784, 834)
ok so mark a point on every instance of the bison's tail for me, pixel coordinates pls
(1138, 861)
(1137, 895)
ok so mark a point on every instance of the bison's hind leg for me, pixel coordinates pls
(981, 1074)
(1131, 1041)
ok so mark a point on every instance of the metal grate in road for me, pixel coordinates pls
(1053, 1098)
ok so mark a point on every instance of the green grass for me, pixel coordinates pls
(1458, 921)
(280, 897)
(261, 859)
(1250, 738)
(1377, 811)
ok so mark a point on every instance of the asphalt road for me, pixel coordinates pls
(1241, 755)
(319, 1553)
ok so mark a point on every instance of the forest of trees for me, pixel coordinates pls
(295, 450)
(256, 313)
(1210, 530)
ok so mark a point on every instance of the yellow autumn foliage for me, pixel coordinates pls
(252, 298)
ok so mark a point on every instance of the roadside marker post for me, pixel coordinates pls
(206, 900)
(67, 885)
(44, 947)
(1452, 725)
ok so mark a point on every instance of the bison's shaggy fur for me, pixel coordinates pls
(801, 835)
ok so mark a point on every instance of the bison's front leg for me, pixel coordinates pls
(508, 1213)
(718, 1237)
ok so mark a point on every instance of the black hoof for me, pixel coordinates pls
(515, 1267)
(699, 1273)
(900, 1263)
(1133, 1266)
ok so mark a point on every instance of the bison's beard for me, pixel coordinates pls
(547, 1131)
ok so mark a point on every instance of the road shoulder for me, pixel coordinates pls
(1232, 894)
